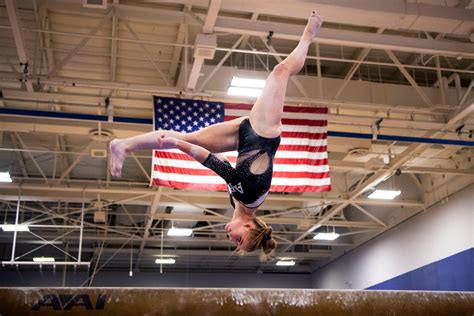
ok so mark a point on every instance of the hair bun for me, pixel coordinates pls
(268, 231)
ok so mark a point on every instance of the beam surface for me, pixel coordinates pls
(187, 301)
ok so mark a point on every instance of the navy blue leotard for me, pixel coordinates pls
(246, 187)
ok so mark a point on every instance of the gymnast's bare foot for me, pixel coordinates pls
(314, 23)
(118, 153)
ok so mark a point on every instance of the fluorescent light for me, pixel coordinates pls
(247, 83)
(246, 87)
(180, 232)
(285, 263)
(43, 259)
(5, 177)
(384, 194)
(326, 236)
(165, 261)
(15, 228)
(246, 92)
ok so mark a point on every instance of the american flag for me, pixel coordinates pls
(300, 164)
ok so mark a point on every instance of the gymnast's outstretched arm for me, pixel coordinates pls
(216, 162)
(216, 138)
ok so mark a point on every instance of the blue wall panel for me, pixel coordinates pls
(454, 273)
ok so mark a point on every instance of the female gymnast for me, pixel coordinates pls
(256, 138)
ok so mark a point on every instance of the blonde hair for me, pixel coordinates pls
(261, 237)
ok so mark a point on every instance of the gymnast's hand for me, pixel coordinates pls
(166, 142)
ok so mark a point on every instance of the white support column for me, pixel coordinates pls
(177, 51)
(440, 80)
(19, 42)
(15, 233)
(48, 42)
(208, 28)
(79, 255)
(212, 12)
(113, 48)
(149, 221)
(219, 65)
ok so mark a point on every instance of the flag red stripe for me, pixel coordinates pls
(192, 186)
(311, 149)
(223, 187)
(300, 188)
(289, 121)
(286, 108)
(303, 135)
(208, 172)
(299, 109)
(309, 175)
(277, 161)
(238, 106)
(300, 161)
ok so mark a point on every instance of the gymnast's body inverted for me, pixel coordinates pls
(256, 138)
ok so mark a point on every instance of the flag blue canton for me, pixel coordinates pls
(186, 115)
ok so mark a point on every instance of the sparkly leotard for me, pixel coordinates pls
(246, 187)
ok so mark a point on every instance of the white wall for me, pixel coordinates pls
(442, 231)
(35, 278)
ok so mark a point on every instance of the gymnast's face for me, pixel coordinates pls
(239, 233)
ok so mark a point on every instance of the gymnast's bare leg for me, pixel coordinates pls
(267, 111)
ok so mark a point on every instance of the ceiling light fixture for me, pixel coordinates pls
(326, 236)
(246, 87)
(43, 259)
(15, 228)
(5, 177)
(165, 261)
(181, 232)
(285, 263)
(384, 194)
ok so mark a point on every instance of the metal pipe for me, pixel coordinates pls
(76, 116)
(55, 263)
(225, 49)
(82, 228)
(16, 223)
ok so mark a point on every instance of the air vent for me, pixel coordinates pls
(358, 152)
(98, 153)
(102, 135)
(94, 4)
(205, 46)
(100, 217)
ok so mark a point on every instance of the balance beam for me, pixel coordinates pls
(228, 302)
